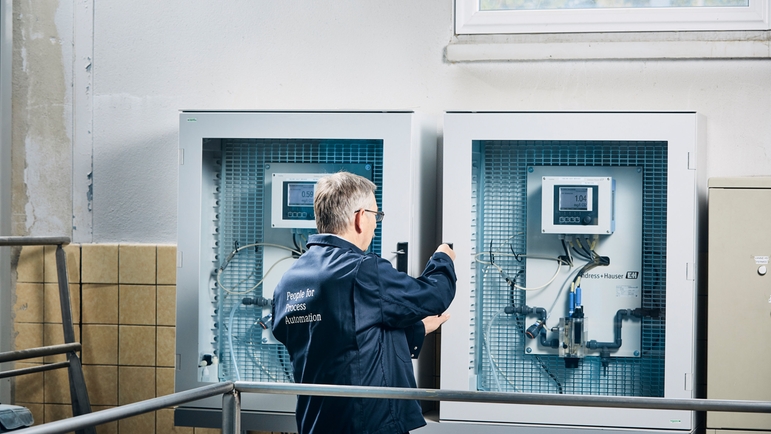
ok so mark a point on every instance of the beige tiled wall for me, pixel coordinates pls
(123, 299)
(37, 322)
(123, 307)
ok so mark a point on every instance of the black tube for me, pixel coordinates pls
(554, 343)
(617, 322)
(581, 254)
(258, 301)
(525, 310)
(538, 328)
(540, 313)
(534, 330)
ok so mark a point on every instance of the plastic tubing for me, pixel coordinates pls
(230, 339)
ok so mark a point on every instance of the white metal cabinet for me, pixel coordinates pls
(669, 148)
(226, 161)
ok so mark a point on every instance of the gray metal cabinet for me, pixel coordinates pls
(739, 299)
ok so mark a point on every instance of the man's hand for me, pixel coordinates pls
(444, 248)
(431, 323)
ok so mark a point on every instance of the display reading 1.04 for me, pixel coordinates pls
(300, 193)
(575, 199)
(577, 205)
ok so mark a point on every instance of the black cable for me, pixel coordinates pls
(584, 269)
(511, 292)
(586, 248)
(516, 255)
(546, 370)
(512, 282)
(581, 254)
(294, 241)
(568, 256)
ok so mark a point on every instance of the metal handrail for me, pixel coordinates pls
(128, 410)
(34, 369)
(231, 414)
(33, 241)
(31, 353)
(692, 404)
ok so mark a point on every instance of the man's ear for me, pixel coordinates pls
(357, 222)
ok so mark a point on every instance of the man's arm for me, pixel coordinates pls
(397, 300)
(417, 332)
(415, 335)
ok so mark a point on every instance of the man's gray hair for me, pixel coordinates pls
(337, 198)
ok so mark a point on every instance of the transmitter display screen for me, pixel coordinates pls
(577, 204)
(300, 193)
(575, 199)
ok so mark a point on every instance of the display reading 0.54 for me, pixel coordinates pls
(575, 199)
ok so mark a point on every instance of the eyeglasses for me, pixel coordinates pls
(379, 215)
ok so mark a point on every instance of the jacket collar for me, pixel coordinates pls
(332, 240)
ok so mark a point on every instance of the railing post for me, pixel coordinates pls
(78, 393)
(231, 412)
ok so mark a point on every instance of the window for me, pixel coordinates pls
(573, 16)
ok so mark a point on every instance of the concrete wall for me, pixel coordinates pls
(41, 118)
(98, 85)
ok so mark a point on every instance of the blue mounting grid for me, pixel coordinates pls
(239, 217)
(499, 176)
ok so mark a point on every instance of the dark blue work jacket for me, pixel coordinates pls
(350, 318)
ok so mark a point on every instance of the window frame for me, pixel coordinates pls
(469, 20)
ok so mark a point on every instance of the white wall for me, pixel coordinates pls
(152, 58)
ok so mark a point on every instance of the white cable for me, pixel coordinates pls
(230, 339)
(279, 246)
(256, 360)
(560, 263)
(493, 365)
(231, 291)
(235, 252)
(496, 370)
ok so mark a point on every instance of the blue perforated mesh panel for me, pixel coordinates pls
(239, 204)
(500, 184)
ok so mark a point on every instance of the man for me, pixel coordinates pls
(349, 318)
